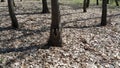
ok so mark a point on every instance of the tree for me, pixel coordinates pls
(97, 2)
(13, 3)
(12, 14)
(84, 5)
(108, 1)
(45, 7)
(55, 29)
(104, 13)
(88, 2)
(116, 1)
(2, 0)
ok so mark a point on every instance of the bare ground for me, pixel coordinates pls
(86, 45)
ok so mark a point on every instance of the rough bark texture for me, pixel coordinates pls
(45, 7)
(12, 14)
(104, 13)
(55, 30)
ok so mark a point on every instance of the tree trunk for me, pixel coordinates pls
(116, 1)
(45, 7)
(97, 2)
(13, 3)
(2, 0)
(104, 13)
(12, 14)
(84, 6)
(55, 30)
(108, 1)
(88, 3)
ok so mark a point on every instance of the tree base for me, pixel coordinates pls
(43, 12)
(54, 43)
(49, 44)
(15, 26)
(103, 24)
(84, 11)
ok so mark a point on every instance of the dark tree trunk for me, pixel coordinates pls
(84, 6)
(108, 1)
(2, 0)
(55, 30)
(45, 7)
(104, 13)
(97, 2)
(12, 14)
(88, 3)
(116, 1)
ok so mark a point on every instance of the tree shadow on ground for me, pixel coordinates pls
(27, 13)
(64, 23)
(26, 33)
(22, 49)
(5, 28)
(43, 46)
(71, 13)
(35, 13)
(77, 6)
(73, 6)
(82, 27)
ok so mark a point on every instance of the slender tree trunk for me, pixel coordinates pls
(12, 14)
(84, 6)
(104, 13)
(116, 1)
(45, 7)
(88, 3)
(97, 2)
(55, 30)
(108, 1)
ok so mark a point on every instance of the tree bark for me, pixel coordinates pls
(45, 7)
(55, 30)
(104, 13)
(84, 6)
(14, 3)
(12, 14)
(88, 3)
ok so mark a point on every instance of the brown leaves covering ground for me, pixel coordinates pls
(86, 45)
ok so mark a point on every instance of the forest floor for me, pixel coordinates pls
(86, 45)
